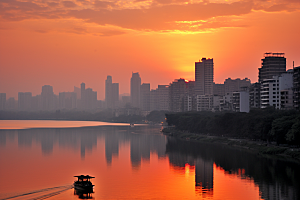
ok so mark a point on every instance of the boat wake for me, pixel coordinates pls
(40, 194)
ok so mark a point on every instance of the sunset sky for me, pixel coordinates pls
(63, 43)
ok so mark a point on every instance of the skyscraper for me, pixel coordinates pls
(135, 90)
(145, 97)
(272, 65)
(82, 96)
(204, 77)
(108, 92)
(48, 101)
(111, 93)
(115, 95)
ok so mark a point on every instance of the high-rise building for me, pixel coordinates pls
(108, 92)
(177, 91)
(272, 65)
(67, 100)
(83, 96)
(145, 97)
(90, 99)
(163, 97)
(24, 101)
(2, 101)
(115, 95)
(111, 93)
(135, 90)
(204, 77)
(48, 98)
(296, 88)
(11, 104)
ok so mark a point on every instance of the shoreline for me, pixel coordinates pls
(262, 148)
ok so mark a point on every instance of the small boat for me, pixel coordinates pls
(131, 124)
(84, 183)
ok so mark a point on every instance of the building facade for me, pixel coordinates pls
(272, 65)
(135, 90)
(204, 77)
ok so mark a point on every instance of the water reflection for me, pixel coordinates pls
(83, 194)
(276, 178)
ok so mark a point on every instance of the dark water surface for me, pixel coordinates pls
(135, 163)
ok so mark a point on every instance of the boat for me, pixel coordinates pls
(131, 124)
(84, 183)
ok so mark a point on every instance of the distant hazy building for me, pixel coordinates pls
(219, 89)
(154, 101)
(91, 99)
(108, 92)
(24, 101)
(2, 101)
(177, 91)
(115, 95)
(82, 96)
(163, 97)
(272, 65)
(67, 100)
(111, 93)
(204, 77)
(135, 90)
(235, 85)
(48, 98)
(296, 87)
(190, 103)
(11, 104)
(145, 97)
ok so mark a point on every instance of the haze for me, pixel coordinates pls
(64, 43)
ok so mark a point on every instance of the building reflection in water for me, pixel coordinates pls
(274, 177)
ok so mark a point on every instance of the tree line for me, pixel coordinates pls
(280, 126)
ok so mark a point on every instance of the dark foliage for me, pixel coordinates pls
(282, 127)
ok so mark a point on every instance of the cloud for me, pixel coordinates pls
(69, 4)
(158, 15)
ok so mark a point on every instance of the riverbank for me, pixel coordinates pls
(260, 147)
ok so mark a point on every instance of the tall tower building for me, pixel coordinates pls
(135, 90)
(204, 77)
(115, 95)
(272, 65)
(111, 93)
(145, 97)
(48, 101)
(82, 96)
(108, 92)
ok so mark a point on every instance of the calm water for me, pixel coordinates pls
(133, 163)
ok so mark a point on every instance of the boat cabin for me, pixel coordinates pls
(83, 178)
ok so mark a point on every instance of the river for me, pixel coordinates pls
(39, 160)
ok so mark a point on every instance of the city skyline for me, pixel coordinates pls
(63, 43)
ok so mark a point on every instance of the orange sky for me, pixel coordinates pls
(64, 43)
